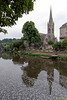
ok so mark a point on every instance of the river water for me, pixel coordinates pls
(30, 78)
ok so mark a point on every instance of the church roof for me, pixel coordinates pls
(64, 25)
(43, 36)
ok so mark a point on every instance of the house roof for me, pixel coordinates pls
(64, 25)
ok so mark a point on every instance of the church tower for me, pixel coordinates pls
(50, 27)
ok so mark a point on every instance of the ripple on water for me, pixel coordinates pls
(20, 84)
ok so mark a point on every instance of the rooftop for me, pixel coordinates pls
(43, 36)
(64, 25)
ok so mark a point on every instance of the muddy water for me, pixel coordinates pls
(30, 78)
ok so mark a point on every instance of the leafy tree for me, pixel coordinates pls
(57, 46)
(18, 45)
(31, 34)
(50, 42)
(7, 47)
(11, 10)
(64, 43)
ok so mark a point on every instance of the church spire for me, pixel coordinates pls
(50, 28)
(50, 18)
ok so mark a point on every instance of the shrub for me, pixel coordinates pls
(50, 42)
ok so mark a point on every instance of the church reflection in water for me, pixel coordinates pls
(56, 71)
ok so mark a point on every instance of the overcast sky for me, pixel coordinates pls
(40, 16)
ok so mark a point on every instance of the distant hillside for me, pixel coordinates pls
(9, 40)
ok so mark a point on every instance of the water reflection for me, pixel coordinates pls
(5, 56)
(36, 75)
(54, 69)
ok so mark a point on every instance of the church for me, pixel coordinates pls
(50, 31)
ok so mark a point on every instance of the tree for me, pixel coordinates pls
(50, 42)
(31, 34)
(57, 46)
(18, 45)
(9, 40)
(11, 10)
(64, 43)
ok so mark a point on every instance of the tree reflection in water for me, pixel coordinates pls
(33, 66)
(32, 78)
(36, 65)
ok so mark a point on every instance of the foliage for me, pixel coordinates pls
(65, 51)
(61, 45)
(12, 47)
(50, 42)
(7, 47)
(63, 58)
(31, 34)
(18, 45)
(64, 43)
(9, 40)
(57, 46)
(11, 10)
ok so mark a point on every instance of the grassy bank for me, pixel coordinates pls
(63, 58)
(33, 54)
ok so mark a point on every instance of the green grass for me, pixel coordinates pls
(33, 54)
(63, 58)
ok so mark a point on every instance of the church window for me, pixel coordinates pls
(46, 39)
(49, 30)
(52, 30)
(61, 35)
(49, 37)
(66, 28)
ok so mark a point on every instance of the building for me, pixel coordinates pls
(63, 32)
(50, 31)
(50, 27)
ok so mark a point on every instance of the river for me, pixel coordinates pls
(31, 78)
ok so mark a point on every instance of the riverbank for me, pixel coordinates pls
(49, 55)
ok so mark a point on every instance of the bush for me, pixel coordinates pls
(57, 46)
(64, 43)
(50, 42)
(18, 45)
